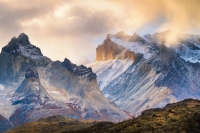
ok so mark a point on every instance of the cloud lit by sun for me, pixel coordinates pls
(78, 26)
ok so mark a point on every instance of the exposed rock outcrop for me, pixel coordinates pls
(79, 70)
(33, 101)
(122, 36)
(83, 99)
(81, 91)
(158, 76)
(31, 90)
(16, 57)
(110, 50)
(136, 38)
(31, 72)
(36, 87)
(126, 54)
(22, 46)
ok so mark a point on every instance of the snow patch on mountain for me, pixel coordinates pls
(6, 108)
(22, 46)
(159, 74)
(30, 51)
(69, 85)
(1, 87)
(136, 47)
(108, 70)
(189, 53)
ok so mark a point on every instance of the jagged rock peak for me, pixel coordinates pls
(108, 36)
(22, 46)
(121, 33)
(23, 39)
(136, 38)
(79, 70)
(30, 90)
(123, 36)
(108, 50)
(31, 72)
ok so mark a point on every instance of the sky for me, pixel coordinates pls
(74, 28)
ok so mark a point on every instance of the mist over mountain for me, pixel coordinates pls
(160, 73)
(99, 66)
(130, 74)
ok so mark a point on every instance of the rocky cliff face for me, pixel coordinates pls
(77, 85)
(79, 70)
(122, 36)
(22, 46)
(31, 90)
(16, 57)
(32, 86)
(110, 50)
(126, 54)
(32, 102)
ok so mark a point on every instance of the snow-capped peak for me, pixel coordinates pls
(133, 43)
(22, 46)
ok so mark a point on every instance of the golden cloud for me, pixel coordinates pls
(73, 29)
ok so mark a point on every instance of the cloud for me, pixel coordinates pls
(179, 15)
(81, 21)
(15, 12)
(73, 29)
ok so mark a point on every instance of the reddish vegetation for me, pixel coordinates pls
(74, 107)
(50, 106)
(21, 115)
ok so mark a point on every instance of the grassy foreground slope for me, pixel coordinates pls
(52, 124)
(180, 117)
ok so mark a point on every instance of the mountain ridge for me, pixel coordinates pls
(36, 87)
(158, 76)
(135, 74)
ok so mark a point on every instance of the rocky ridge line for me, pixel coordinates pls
(79, 70)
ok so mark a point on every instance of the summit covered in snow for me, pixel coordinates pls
(22, 46)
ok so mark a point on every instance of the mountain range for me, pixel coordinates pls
(138, 73)
(129, 75)
(33, 86)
